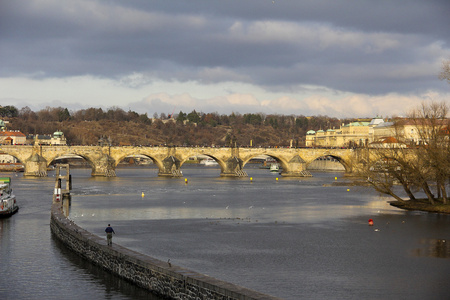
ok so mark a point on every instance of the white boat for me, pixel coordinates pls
(208, 162)
(8, 205)
(274, 167)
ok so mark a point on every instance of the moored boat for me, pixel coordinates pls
(8, 205)
(274, 167)
(209, 162)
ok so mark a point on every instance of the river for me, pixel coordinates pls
(293, 238)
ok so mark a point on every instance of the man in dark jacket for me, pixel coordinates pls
(109, 231)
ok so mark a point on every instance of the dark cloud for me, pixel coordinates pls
(355, 46)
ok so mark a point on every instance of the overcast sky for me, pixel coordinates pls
(340, 58)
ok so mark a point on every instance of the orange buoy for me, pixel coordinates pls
(370, 222)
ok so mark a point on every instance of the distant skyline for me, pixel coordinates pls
(337, 58)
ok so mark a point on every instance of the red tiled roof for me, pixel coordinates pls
(12, 133)
(390, 140)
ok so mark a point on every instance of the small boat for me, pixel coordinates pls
(8, 205)
(274, 167)
(268, 163)
(209, 162)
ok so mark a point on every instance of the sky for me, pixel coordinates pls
(339, 58)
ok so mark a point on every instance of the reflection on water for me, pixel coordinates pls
(433, 248)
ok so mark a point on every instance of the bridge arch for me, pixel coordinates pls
(223, 164)
(155, 160)
(69, 156)
(342, 161)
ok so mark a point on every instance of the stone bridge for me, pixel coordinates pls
(169, 160)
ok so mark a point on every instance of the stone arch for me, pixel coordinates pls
(18, 158)
(186, 158)
(122, 157)
(59, 155)
(221, 163)
(279, 160)
(344, 163)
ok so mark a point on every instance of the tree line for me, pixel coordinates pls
(87, 126)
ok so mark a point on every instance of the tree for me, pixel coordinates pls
(423, 164)
(63, 115)
(432, 125)
(27, 114)
(193, 117)
(144, 119)
(445, 73)
(254, 119)
(9, 111)
(181, 117)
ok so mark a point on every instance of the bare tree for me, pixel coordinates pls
(432, 126)
(423, 164)
(445, 73)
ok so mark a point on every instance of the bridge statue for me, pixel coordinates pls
(169, 160)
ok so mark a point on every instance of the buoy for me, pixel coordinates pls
(143, 195)
(348, 190)
(185, 180)
(277, 179)
(251, 178)
(335, 178)
(370, 222)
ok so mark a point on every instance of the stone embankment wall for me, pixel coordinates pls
(161, 278)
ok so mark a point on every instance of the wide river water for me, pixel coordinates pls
(294, 238)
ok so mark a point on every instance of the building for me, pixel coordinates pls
(376, 133)
(12, 138)
(358, 133)
(57, 139)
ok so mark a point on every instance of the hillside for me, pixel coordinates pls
(87, 127)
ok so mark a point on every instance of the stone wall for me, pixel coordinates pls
(161, 278)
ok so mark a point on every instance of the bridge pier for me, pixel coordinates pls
(233, 167)
(105, 166)
(35, 166)
(170, 167)
(296, 167)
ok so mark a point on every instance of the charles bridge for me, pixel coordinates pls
(103, 160)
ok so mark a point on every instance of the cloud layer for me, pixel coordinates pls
(336, 57)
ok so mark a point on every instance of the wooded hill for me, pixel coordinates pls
(88, 126)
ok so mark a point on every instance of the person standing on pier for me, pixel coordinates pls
(109, 232)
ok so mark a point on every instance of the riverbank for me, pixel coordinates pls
(11, 167)
(422, 205)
